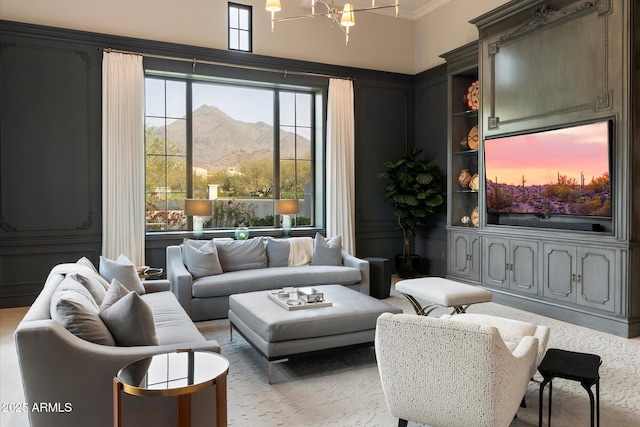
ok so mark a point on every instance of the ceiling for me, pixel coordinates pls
(409, 9)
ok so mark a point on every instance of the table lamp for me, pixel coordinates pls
(197, 208)
(286, 207)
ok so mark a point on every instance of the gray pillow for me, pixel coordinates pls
(95, 287)
(237, 255)
(124, 271)
(74, 308)
(130, 321)
(327, 251)
(84, 261)
(202, 261)
(114, 294)
(278, 252)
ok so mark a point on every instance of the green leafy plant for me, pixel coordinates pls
(415, 191)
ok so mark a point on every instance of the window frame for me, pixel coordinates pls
(230, 28)
(317, 140)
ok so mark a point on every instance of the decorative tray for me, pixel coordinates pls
(282, 299)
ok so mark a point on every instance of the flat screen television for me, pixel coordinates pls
(558, 172)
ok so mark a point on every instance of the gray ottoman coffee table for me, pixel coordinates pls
(278, 334)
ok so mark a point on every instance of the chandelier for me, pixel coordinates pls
(345, 18)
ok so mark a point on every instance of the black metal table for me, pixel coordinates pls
(570, 365)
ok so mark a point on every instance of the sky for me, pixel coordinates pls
(541, 156)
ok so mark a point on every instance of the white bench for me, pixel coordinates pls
(441, 292)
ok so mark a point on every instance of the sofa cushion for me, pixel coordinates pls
(278, 252)
(84, 261)
(74, 308)
(114, 294)
(202, 260)
(95, 287)
(123, 270)
(273, 278)
(327, 251)
(130, 321)
(173, 325)
(238, 255)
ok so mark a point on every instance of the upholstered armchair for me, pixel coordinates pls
(446, 374)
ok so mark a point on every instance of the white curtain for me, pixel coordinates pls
(123, 209)
(341, 163)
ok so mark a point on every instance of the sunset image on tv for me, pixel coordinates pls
(557, 172)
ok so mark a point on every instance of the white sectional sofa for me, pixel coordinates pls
(72, 377)
(257, 264)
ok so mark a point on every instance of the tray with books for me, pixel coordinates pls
(307, 298)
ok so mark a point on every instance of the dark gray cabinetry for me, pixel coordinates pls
(580, 275)
(465, 255)
(511, 264)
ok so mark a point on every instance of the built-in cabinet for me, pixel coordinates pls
(465, 255)
(580, 275)
(511, 264)
(544, 67)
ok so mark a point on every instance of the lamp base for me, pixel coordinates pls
(286, 225)
(198, 232)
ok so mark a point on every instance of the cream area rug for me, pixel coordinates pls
(342, 388)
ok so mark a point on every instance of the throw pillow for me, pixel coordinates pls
(114, 294)
(130, 321)
(74, 308)
(124, 271)
(96, 288)
(278, 252)
(202, 261)
(237, 255)
(327, 251)
(86, 262)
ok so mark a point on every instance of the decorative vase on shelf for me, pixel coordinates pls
(241, 233)
(464, 177)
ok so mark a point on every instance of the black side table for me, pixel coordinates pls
(380, 277)
(574, 366)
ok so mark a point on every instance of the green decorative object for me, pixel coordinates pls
(241, 233)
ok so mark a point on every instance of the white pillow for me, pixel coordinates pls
(124, 271)
(129, 318)
(75, 309)
(203, 260)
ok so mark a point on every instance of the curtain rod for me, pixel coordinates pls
(195, 61)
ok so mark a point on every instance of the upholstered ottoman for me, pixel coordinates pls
(278, 334)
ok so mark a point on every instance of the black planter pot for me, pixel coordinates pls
(408, 267)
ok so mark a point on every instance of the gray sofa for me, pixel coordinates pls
(73, 378)
(207, 297)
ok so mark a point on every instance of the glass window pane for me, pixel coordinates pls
(155, 136)
(243, 19)
(303, 109)
(287, 142)
(303, 143)
(287, 108)
(287, 179)
(154, 97)
(177, 137)
(233, 17)
(176, 99)
(176, 174)
(244, 40)
(233, 39)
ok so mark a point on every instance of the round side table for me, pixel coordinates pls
(174, 374)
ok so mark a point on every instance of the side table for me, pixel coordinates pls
(570, 365)
(380, 277)
(174, 374)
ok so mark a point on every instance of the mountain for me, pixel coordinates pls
(221, 142)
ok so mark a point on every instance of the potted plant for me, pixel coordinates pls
(415, 191)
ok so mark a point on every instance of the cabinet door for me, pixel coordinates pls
(523, 266)
(460, 254)
(495, 271)
(595, 277)
(559, 272)
(474, 260)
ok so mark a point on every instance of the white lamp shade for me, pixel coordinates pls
(198, 207)
(348, 18)
(273, 6)
(287, 207)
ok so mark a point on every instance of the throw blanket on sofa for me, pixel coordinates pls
(300, 251)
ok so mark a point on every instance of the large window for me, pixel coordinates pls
(240, 146)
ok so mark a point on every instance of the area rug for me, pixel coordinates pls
(343, 388)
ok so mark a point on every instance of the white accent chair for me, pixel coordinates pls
(447, 374)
